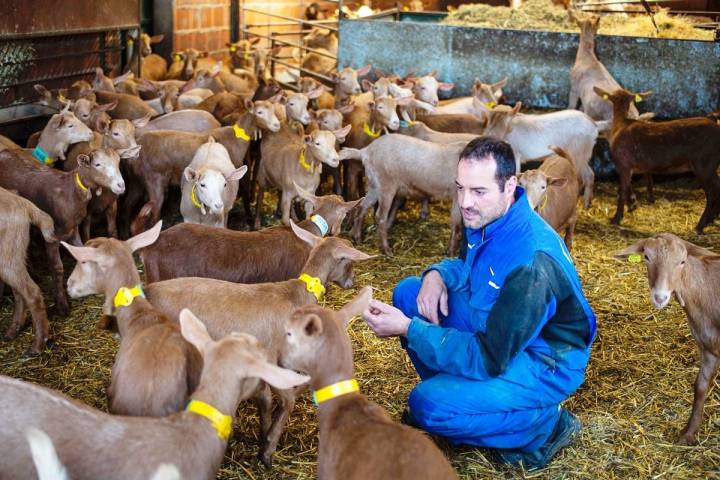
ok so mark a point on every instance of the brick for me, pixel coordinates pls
(184, 19)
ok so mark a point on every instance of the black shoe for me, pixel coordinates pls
(567, 427)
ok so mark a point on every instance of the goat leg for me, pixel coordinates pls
(381, 219)
(623, 195)
(708, 368)
(61, 302)
(263, 401)
(287, 403)
(711, 186)
(258, 206)
(650, 185)
(111, 217)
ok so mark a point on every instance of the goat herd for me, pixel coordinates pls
(115, 147)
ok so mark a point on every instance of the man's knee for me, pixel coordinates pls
(405, 295)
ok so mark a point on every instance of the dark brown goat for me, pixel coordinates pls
(270, 255)
(63, 195)
(643, 147)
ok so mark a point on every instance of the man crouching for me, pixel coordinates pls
(501, 337)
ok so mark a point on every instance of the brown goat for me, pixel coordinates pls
(644, 147)
(358, 439)
(552, 191)
(454, 123)
(165, 154)
(17, 216)
(692, 273)
(155, 369)
(261, 310)
(270, 255)
(128, 106)
(63, 195)
(83, 436)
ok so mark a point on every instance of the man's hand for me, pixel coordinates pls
(386, 320)
(433, 295)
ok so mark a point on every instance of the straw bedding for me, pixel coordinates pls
(636, 398)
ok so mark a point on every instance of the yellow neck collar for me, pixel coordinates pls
(80, 184)
(307, 166)
(313, 285)
(221, 423)
(544, 203)
(240, 132)
(370, 133)
(335, 390)
(194, 199)
(490, 105)
(125, 296)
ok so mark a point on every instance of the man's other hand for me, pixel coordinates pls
(386, 320)
(432, 296)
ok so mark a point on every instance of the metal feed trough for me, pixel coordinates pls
(683, 74)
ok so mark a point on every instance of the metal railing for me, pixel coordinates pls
(275, 39)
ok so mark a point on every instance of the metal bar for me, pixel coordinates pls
(298, 20)
(65, 55)
(54, 77)
(234, 19)
(18, 36)
(622, 2)
(290, 44)
(308, 72)
(284, 24)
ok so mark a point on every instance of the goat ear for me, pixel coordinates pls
(122, 78)
(107, 106)
(313, 325)
(446, 86)
(99, 75)
(601, 93)
(237, 174)
(82, 254)
(42, 90)
(366, 84)
(83, 159)
(145, 238)
(307, 139)
(304, 235)
(255, 40)
(557, 182)
(346, 109)
(357, 305)
(194, 330)
(433, 74)
(131, 152)
(347, 206)
(248, 104)
(342, 133)
(304, 194)
(141, 122)
(516, 108)
(157, 38)
(363, 70)
(404, 101)
(637, 247)
(102, 125)
(349, 253)
(202, 54)
(277, 377)
(190, 174)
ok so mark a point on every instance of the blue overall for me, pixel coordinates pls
(516, 340)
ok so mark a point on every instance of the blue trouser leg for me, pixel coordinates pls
(518, 409)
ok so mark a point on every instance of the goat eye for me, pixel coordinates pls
(379, 107)
(647, 258)
(85, 115)
(202, 185)
(71, 125)
(116, 134)
(225, 186)
(97, 165)
(682, 263)
(543, 187)
(317, 143)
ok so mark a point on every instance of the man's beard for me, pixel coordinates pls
(480, 220)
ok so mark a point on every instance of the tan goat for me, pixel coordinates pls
(17, 215)
(262, 310)
(692, 273)
(92, 444)
(552, 191)
(358, 439)
(155, 369)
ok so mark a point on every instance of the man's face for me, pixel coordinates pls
(479, 196)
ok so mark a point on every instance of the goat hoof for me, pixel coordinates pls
(11, 333)
(62, 309)
(266, 458)
(686, 439)
(615, 221)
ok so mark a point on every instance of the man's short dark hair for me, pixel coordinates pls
(483, 148)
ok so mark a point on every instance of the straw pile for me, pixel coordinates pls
(544, 15)
(636, 398)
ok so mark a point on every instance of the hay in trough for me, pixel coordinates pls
(636, 398)
(544, 15)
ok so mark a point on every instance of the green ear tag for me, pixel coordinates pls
(638, 98)
(634, 258)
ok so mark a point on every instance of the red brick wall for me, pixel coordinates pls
(201, 24)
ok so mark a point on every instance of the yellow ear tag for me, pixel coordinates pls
(247, 56)
(638, 98)
(605, 97)
(233, 49)
(177, 57)
(240, 132)
(634, 258)
(61, 97)
(490, 104)
(130, 42)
